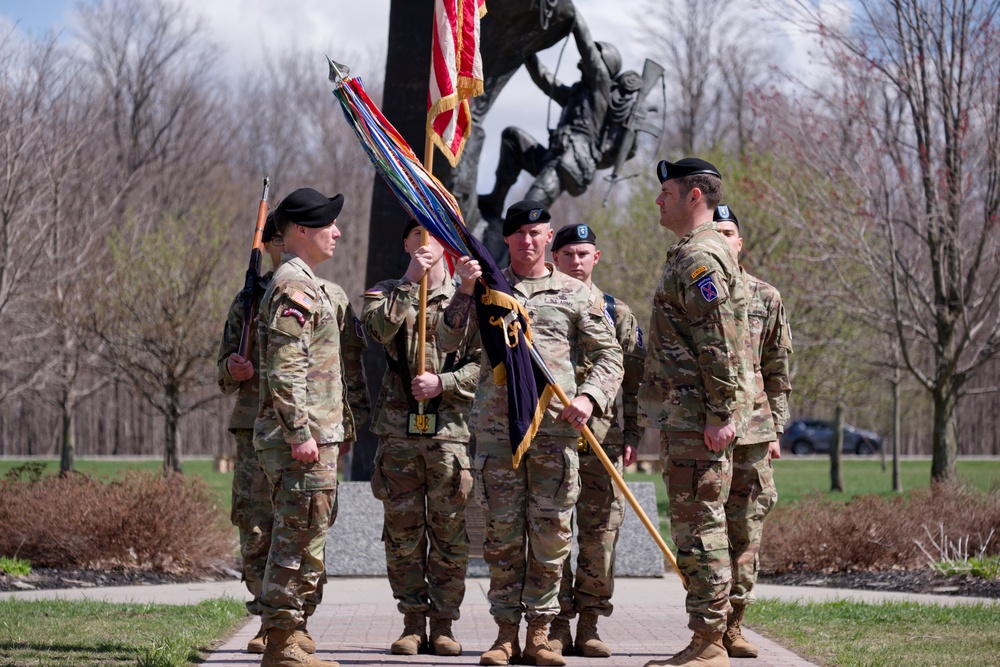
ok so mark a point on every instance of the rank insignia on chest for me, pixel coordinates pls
(708, 289)
(296, 313)
(299, 298)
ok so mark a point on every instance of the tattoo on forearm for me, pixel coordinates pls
(457, 314)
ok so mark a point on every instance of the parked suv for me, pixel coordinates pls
(808, 436)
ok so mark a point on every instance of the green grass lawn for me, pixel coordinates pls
(52, 633)
(852, 634)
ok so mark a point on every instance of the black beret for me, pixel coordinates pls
(525, 212)
(688, 166)
(270, 229)
(309, 208)
(410, 225)
(725, 214)
(571, 234)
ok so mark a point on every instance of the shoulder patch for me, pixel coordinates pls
(708, 289)
(300, 298)
(700, 271)
(296, 313)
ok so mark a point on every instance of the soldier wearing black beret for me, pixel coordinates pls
(698, 339)
(600, 509)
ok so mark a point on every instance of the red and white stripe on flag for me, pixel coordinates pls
(456, 74)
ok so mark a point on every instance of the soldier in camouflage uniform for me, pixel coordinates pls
(529, 510)
(600, 509)
(421, 472)
(697, 390)
(753, 493)
(302, 326)
(251, 512)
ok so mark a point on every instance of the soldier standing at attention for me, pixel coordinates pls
(697, 391)
(529, 510)
(421, 471)
(753, 494)
(252, 513)
(600, 509)
(300, 425)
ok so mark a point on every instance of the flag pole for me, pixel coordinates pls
(424, 240)
(615, 475)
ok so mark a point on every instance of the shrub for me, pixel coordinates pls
(871, 532)
(142, 520)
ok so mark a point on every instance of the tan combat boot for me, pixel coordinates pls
(536, 646)
(302, 637)
(506, 649)
(560, 638)
(705, 650)
(443, 642)
(737, 646)
(256, 645)
(588, 642)
(414, 634)
(282, 651)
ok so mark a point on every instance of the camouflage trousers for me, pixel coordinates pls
(251, 514)
(600, 510)
(698, 482)
(304, 499)
(751, 497)
(424, 485)
(528, 523)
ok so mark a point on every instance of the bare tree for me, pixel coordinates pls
(156, 315)
(908, 140)
(715, 59)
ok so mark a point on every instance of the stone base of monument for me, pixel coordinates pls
(354, 545)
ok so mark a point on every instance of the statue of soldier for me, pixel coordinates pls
(589, 135)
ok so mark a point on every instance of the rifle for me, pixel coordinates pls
(252, 277)
(651, 73)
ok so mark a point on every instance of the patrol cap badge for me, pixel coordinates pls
(688, 166)
(571, 234)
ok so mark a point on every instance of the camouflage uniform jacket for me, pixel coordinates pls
(697, 367)
(567, 319)
(311, 345)
(392, 304)
(771, 343)
(247, 393)
(606, 428)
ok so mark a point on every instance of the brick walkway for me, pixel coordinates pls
(358, 620)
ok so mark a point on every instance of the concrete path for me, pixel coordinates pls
(358, 620)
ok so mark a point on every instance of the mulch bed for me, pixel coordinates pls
(903, 581)
(43, 578)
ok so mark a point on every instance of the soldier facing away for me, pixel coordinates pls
(421, 471)
(753, 494)
(299, 429)
(529, 510)
(600, 509)
(697, 391)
